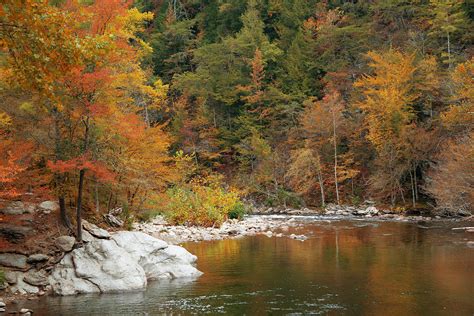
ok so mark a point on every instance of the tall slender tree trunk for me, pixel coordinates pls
(63, 213)
(321, 187)
(335, 155)
(58, 177)
(416, 183)
(413, 195)
(79, 205)
(321, 184)
(81, 184)
(147, 118)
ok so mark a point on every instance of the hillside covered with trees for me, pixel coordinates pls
(191, 107)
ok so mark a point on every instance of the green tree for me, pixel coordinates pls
(448, 21)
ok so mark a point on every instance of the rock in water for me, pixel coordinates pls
(158, 259)
(123, 263)
(371, 210)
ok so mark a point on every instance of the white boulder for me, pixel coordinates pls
(123, 263)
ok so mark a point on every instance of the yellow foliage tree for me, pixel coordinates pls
(388, 95)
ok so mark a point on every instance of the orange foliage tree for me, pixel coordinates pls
(93, 90)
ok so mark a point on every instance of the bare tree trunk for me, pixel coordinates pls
(63, 213)
(81, 184)
(416, 183)
(66, 221)
(401, 192)
(413, 189)
(335, 155)
(79, 205)
(321, 187)
(132, 197)
(147, 118)
(321, 184)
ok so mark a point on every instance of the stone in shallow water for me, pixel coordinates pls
(125, 262)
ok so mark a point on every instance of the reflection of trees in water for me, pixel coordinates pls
(367, 268)
(374, 267)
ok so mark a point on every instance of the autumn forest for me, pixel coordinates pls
(196, 108)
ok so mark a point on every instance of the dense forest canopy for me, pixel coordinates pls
(189, 106)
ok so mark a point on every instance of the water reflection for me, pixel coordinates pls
(343, 268)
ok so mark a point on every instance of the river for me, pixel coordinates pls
(344, 268)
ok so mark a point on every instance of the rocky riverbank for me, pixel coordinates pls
(56, 264)
(36, 259)
(271, 222)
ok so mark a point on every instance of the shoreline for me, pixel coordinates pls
(269, 222)
(273, 223)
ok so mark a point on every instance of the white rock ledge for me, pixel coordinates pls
(125, 262)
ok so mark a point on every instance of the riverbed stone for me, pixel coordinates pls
(13, 260)
(370, 210)
(65, 243)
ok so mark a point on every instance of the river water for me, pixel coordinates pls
(344, 268)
